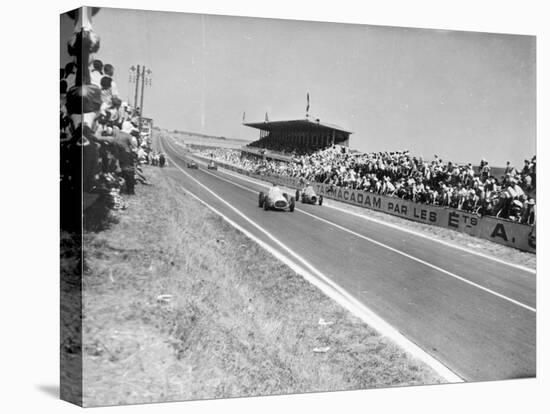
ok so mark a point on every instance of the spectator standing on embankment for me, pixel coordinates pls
(106, 91)
(123, 148)
(97, 72)
(109, 71)
(70, 74)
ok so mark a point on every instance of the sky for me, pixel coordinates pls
(459, 95)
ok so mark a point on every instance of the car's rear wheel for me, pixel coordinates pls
(266, 206)
(320, 200)
(261, 200)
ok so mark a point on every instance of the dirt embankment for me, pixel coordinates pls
(178, 305)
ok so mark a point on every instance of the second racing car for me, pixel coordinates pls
(308, 195)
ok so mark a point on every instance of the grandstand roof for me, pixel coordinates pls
(271, 125)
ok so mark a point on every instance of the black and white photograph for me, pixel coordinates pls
(256, 206)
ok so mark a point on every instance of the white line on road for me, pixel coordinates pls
(416, 259)
(327, 286)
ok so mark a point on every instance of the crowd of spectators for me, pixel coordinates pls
(509, 194)
(107, 140)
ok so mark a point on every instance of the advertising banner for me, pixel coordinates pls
(510, 233)
(520, 236)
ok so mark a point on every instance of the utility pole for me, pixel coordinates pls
(137, 85)
(141, 101)
(145, 79)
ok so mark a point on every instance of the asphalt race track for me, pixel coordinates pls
(475, 315)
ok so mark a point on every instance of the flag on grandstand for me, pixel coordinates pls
(266, 117)
(307, 106)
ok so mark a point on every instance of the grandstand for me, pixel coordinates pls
(300, 136)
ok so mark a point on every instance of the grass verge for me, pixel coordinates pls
(178, 305)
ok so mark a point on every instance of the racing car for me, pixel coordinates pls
(308, 195)
(212, 165)
(275, 199)
(192, 164)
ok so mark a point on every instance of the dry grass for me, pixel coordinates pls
(70, 317)
(237, 323)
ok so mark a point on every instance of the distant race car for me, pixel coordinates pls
(275, 199)
(212, 165)
(308, 195)
(192, 164)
